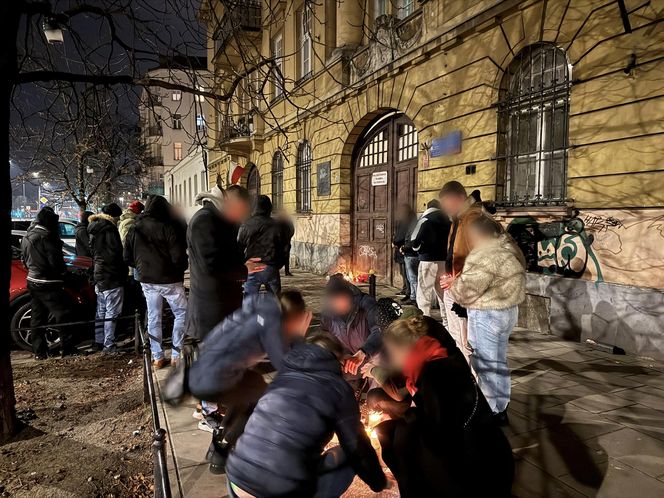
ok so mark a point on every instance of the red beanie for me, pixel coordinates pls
(137, 207)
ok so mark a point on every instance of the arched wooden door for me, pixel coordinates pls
(385, 176)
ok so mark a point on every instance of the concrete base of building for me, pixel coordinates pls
(611, 314)
(319, 258)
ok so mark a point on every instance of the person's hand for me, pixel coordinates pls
(254, 265)
(446, 281)
(401, 250)
(304, 324)
(352, 363)
(366, 370)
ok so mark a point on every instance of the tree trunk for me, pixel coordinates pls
(9, 11)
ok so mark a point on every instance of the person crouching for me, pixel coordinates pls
(449, 435)
(282, 451)
(225, 371)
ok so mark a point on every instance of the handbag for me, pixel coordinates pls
(176, 386)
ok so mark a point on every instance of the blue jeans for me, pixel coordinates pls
(177, 301)
(412, 262)
(109, 305)
(269, 277)
(488, 334)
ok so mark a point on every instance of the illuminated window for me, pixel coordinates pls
(176, 95)
(177, 151)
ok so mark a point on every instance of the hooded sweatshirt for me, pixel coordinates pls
(41, 249)
(429, 237)
(156, 244)
(110, 270)
(261, 236)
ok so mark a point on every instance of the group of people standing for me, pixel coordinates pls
(458, 254)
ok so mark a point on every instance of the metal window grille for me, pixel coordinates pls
(375, 152)
(533, 127)
(407, 142)
(277, 180)
(303, 167)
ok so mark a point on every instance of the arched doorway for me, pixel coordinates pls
(384, 177)
(253, 182)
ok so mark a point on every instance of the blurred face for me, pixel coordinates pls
(292, 326)
(476, 238)
(451, 203)
(403, 214)
(340, 304)
(236, 209)
(397, 353)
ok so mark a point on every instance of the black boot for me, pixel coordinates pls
(217, 453)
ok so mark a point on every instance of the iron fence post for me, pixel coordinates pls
(162, 486)
(372, 285)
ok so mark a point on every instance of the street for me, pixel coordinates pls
(582, 422)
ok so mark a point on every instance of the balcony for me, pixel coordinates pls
(236, 136)
(243, 16)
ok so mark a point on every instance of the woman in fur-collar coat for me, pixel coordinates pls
(491, 286)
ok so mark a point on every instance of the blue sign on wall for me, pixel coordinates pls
(446, 145)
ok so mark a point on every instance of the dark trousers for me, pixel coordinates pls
(405, 288)
(49, 300)
(240, 402)
(269, 277)
(287, 263)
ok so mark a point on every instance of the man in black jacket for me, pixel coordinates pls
(110, 274)
(156, 246)
(406, 219)
(41, 250)
(81, 234)
(429, 240)
(282, 450)
(287, 232)
(261, 237)
(217, 264)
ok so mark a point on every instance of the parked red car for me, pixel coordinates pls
(80, 290)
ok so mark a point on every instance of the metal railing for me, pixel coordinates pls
(162, 485)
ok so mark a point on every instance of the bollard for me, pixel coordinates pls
(372, 284)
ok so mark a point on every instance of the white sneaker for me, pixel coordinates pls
(198, 415)
(204, 426)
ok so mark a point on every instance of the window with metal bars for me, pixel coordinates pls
(277, 180)
(533, 127)
(375, 152)
(407, 142)
(303, 177)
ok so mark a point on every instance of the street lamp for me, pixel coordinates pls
(53, 31)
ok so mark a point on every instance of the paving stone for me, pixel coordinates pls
(640, 418)
(653, 379)
(532, 482)
(598, 403)
(559, 454)
(611, 378)
(646, 395)
(620, 480)
(576, 423)
(634, 448)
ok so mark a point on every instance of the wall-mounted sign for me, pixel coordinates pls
(379, 178)
(324, 179)
(447, 145)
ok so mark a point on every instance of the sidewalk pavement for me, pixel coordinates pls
(583, 422)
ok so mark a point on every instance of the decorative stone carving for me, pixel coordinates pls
(390, 39)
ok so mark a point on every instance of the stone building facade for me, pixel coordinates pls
(553, 109)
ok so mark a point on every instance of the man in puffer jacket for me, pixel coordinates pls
(110, 275)
(282, 451)
(156, 246)
(41, 249)
(350, 315)
(225, 370)
(261, 236)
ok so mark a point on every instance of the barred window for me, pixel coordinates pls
(375, 152)
(277, 180)
(533, 127)
(303, 179)
(407, 142)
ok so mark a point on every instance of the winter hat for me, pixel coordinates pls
(387, 311)
(112, 210)
(136, 207)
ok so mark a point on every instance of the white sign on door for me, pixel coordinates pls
(379, 178)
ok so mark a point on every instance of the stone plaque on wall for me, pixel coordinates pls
(324, 179)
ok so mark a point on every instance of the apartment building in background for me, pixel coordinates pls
(173, 121)
(552, 109)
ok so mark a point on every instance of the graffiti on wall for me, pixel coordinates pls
(561, 247)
